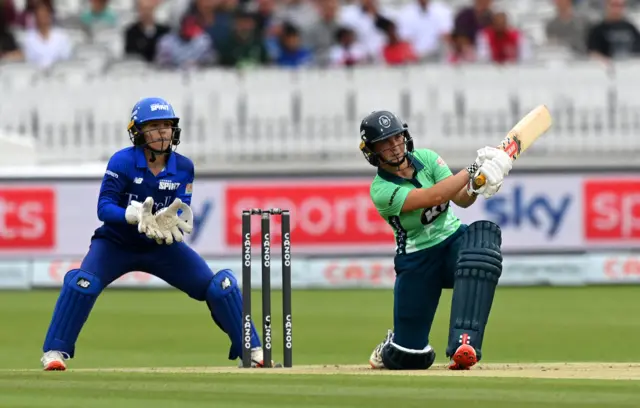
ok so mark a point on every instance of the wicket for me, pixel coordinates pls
(287, 325)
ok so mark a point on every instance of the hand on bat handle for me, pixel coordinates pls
(492, 166)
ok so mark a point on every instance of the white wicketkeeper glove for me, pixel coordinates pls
(494, 164)
(141, 214)
(172, 225)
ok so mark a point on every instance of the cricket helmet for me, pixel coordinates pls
(378, 126)
(150, 109)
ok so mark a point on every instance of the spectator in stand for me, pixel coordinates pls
(215, 17)
(396, 51)
(321, 36)
(98, 16)
(361, 17)
(292, 53)
(45, 44)
(427, 25)
(177, 11)
(470, 20)
(26, 19)
(141, 37)
(8, 10)
(9, 49)
(568, 28)
(615, 37)
(502, 44)
(268, 27)
(462, 49)
(265, 17)
(347, 51)
(223, 25)
(188, 47)
(300, 13)
(245, 47)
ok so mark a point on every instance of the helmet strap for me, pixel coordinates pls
(395, 164)
(399, 163)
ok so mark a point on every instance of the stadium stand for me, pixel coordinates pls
(72, 103)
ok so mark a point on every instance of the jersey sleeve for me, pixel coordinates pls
(388, 198)
(113, 185)
(185, 190)
(436, 165)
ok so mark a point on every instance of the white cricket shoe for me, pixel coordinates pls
(375, 360)
(257, 359)
(53, 360)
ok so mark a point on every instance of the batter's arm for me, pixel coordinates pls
(463, 200)
(439, 193)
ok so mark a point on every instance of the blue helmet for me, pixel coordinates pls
(150, 109)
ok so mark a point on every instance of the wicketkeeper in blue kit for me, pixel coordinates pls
(144, 206)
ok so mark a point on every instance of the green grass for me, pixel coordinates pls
(166, 328)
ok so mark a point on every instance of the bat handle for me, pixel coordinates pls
(479, 180)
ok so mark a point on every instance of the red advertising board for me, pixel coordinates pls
(611, 210)
(335, 216)
(27, 218)
(322, 214)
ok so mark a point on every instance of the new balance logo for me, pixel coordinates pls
(168, 185)
(137, 180)
(83, 283)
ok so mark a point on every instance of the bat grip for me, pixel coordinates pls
(479, 180)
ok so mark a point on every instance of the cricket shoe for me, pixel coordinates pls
(464, 358)
(53, 360)
(257, 359)
(375, 360)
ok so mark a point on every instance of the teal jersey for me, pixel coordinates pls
(422, 228)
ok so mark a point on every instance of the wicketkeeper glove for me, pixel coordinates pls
(141, 214)
(172, 225)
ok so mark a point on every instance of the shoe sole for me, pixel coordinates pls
(55, 366)
(464, 358)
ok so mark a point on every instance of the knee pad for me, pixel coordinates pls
(478, 270)
(396, 357)
(224, 299)
(79, 292)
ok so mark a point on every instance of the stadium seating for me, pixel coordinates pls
(78, 110)
(311, 117)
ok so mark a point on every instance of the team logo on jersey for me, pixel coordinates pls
(441, 162)
(429, 215)
(189, 189)
(168, 185)
(384, 120)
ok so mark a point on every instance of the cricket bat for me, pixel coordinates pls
(533, 125)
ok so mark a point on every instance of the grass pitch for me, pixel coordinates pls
(545, 347)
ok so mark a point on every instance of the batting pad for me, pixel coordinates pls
(79, 292)
(225, 302)
(476, 277)
(396, 357)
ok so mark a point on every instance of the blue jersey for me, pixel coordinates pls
(128, 178)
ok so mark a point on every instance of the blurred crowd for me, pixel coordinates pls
(320, 33)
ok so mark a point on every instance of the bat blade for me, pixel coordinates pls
(533, 125)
